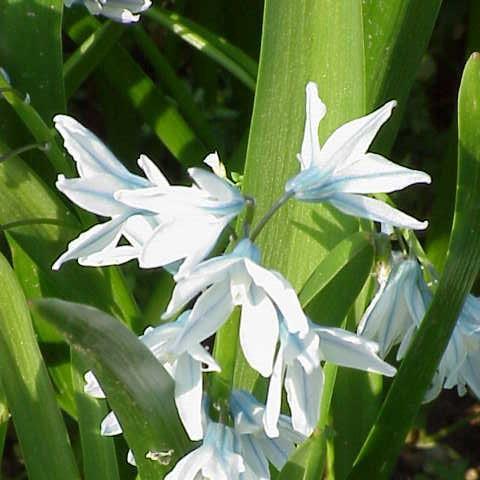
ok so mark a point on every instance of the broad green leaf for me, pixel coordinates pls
(98, 453)
(89, 55)
(397, 33)
(30, 395)
(31, 51)
(218, 48)
(134, 86)
(386, 437)
(138, 388)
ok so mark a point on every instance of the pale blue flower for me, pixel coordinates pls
(237, 279)
(215, 459)
(165, 225)
(186, 370)
(193, 217)
(460, 363)
(256, 448)
(398, 307)
(298, 367)
(124, 11)
(342, 171)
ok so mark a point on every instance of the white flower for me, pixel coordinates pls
(460, 363)
(185, 369)
(100, 176)
(342, 172)
(163, 224)
(256, 448)
(298, 365)
(193, 217)
(215, 459)
(397, 308)
(237, 279)
(119, 10)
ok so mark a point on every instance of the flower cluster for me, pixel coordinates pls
(177, 227)
(124, 11)
(396, 312)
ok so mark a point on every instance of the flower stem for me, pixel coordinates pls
(33, 146)
(264, 220)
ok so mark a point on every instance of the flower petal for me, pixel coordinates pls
(315, 111)
(282, 294)
(215, 186)
(372, 173)
(152, 172)
(346, 349)
(304, 392)
(190, 465)
(254, 457)
(92, 387)
(372, 209)
(259, 331)
(188, 395)
(110, 425)
(351, 140)
(95, 239)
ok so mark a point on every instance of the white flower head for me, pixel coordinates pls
(192, 217)
(124, 11)
(459, 366)
(397, 308)
(215, 459)
(256, 448)
(100, 176)
(342, 172)
(298, 367)
(186, 370)
(238, 279)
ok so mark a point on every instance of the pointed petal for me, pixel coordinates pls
(211, 310)
(274, 396)
(93, 240)
(110, 425)
(190, 465)
(152, 172)
(315, 111)
(346, 349)
(215, 186)
(351, 140)
(372, 209)
(94, 194)
(253, 456)
(282, 294)
(277, 450)
(201, 355)
(304, 391)
(259, 331)
(372, 173)
(131, 458)
(92, 387)
(188, 395)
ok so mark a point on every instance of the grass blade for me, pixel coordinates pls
(30, 395)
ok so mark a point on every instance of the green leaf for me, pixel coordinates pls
(386, 437)
(138, 388)
(30, 396)
(134, 86)
(89, 55)
(98, 453)
(218, 48)
(397, 33)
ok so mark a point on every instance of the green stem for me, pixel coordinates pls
(273, 209)
(26, 148)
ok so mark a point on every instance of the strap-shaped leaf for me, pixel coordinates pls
(137, 386)
(30, 395)
(386, 437)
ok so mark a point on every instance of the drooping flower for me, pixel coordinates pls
(185, 369)
(124, 11)
(238, 279)
(194, 217)
(256, 448)
(398, 307)
(459, 366)
(298, 367)
(215, 459)
(163, 224)
(342, 172)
